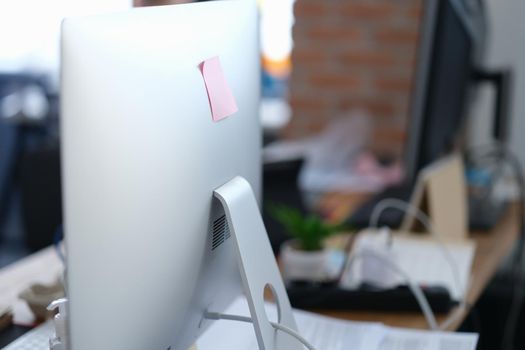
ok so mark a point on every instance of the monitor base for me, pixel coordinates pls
(257, 264)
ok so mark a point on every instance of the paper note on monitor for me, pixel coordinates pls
(222, 101)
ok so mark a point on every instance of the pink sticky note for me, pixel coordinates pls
(222, 101)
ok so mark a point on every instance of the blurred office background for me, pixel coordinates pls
(322, 60)
(30, 196)
(361, 54)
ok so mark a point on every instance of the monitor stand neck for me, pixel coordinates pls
(257, 264)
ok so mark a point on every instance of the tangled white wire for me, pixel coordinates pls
(278, 326)
(426, 222)
(414, 287)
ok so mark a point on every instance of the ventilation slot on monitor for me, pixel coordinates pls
(221, 232)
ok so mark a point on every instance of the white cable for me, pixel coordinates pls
(427, 223)
(294, 334)
(278, 326)
(414, 287)
(425, 220)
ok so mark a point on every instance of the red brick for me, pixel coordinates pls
(388, 140)
(338, 81)
(331, 32)
(391, 36)
(378, 106)
(390, 134)
(393, 84)
(307, 103)
(368, 58)
(377, 10)
(416, 10)
(316, 126)
(304, 124)
(302, 56)
(353, 54)
(310, 8)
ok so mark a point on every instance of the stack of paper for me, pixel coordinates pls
(332, 334)
(426, 261)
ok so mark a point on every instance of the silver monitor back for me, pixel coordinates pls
(141, 158)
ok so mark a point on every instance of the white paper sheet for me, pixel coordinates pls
(332, 334)
(406, 339)
(423, 260)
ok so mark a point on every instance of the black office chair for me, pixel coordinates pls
(21, 136)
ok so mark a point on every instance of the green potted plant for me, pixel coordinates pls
(304, 256)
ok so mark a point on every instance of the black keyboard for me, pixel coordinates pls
(308, 296)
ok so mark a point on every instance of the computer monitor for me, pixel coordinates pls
(149, 248)
(451, 44)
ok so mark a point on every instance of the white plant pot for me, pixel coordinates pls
(302, 265)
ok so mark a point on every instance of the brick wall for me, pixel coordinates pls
(354, 54)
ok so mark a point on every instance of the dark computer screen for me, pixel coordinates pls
(449, 72)
(451, 44)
